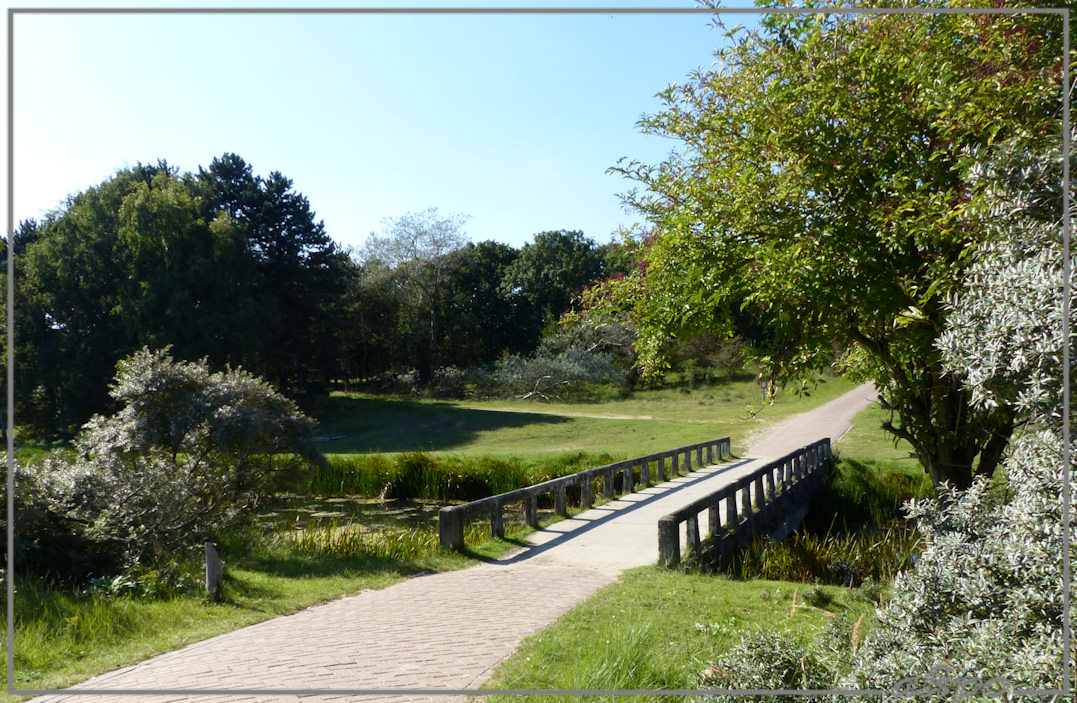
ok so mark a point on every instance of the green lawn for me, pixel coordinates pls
(646, 422)
(659, 628)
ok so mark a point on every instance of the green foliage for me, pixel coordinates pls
(444, 478)
(549, 271)
(840, 558)
(769, 660)
(221, 265)
(980, 614)
(187, 454)
(415, 247)
(823, 189)
(353, 540)
(864, 493)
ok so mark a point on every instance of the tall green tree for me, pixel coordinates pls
(822, 186)
(299, 272)
(548, 274)
(222, 265)
(68, 297)
(415, 246)
(481, 321)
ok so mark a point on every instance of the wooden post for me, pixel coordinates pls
(497, 524)
(214, 572)
(660, 469)
(645, 473)
(714, 520)
(627, 480)
(669, 541)
(688, 461)
(710, 453)
(607, 485)
(675, 465)
(746, 511)
(531, 510)
(693, 532)
(699, 457)
(761, 503)
(586, 500)
(731, 519)
(451, 528)
(559, 503)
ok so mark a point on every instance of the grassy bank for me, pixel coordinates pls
(659, 629)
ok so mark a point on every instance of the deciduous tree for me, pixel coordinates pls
(822, 185)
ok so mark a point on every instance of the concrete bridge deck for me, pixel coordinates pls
(448, 630)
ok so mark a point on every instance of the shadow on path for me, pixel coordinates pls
(652, 493)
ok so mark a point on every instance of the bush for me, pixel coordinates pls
(417, 475)
(768, 660)
(187, 454)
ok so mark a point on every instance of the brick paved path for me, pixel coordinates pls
(446, 630)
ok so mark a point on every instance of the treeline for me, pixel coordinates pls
(233, 267)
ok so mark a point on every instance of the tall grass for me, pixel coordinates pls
(417, 475)
(840, 559)
(855, 532)
(353, 540)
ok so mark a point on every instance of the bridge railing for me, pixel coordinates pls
(753, 504)
(451, 519)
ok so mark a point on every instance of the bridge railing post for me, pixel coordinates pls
(531, 511)
(669, 541)
(560, 504)
(451, 528)
(693, 532)
(660, 469)
(497, 524)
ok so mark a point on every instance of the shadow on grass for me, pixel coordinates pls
(296, 566)
(397, 425)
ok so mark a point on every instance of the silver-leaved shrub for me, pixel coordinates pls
(981, 614)
(187, 453)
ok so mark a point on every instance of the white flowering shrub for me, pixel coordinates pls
(187, 453)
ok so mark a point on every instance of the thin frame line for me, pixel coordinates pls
(541, 11)
(1064, 12)
(10, 509)
(1067, 635)
(509, 691)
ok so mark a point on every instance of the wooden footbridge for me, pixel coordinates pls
(770, 500)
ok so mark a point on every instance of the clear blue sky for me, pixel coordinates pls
(510, 119)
